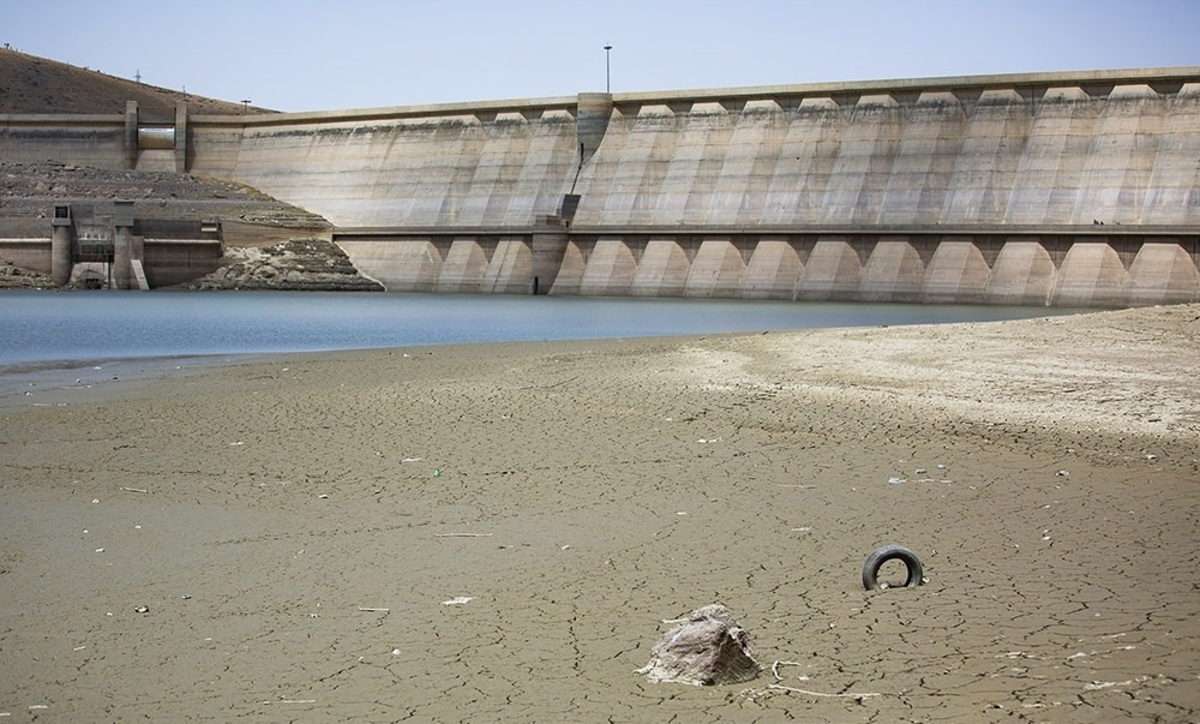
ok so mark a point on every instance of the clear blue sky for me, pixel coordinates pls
(308, 55)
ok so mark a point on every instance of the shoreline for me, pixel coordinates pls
(63, 360)
(59, 382)
(303, 530)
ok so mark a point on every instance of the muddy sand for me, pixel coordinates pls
(496, 533)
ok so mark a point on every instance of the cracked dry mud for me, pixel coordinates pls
(300, 559)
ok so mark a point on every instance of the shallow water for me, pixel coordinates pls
(56, 329)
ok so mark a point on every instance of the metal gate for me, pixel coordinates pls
(93, 245)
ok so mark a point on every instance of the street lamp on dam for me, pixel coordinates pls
(607, 68)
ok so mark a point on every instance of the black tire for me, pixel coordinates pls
(870, 572)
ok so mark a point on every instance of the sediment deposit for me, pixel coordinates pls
(497, 532)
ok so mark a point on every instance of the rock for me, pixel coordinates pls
(297, 265)
(15, 277)
(705, 648)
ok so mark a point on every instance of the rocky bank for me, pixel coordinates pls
(297, 265)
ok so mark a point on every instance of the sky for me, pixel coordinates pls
(307, 55)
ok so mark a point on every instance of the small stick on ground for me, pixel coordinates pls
(462, 535)
(775, 667)
(135, 490)
(849, 695)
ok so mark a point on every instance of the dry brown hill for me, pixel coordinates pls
(29, 84)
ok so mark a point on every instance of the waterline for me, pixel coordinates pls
(56, 328)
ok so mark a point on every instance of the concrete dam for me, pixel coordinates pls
(1079, 189)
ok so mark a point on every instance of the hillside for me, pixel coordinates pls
(29, 84)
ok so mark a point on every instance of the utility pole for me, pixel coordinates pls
(607, 68)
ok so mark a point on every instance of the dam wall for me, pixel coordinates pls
(1073, 189)
(85, 140)
(1054, 155)
(950, 269)
(498, 167)
(148, 139)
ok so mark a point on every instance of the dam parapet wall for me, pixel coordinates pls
(1056, 188)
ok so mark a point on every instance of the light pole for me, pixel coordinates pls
(245, 106)
(607, 69)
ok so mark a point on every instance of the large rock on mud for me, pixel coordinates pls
(706, 647)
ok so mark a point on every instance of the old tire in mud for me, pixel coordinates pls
(875, 561)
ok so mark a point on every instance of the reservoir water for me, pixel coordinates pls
(44, 329)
